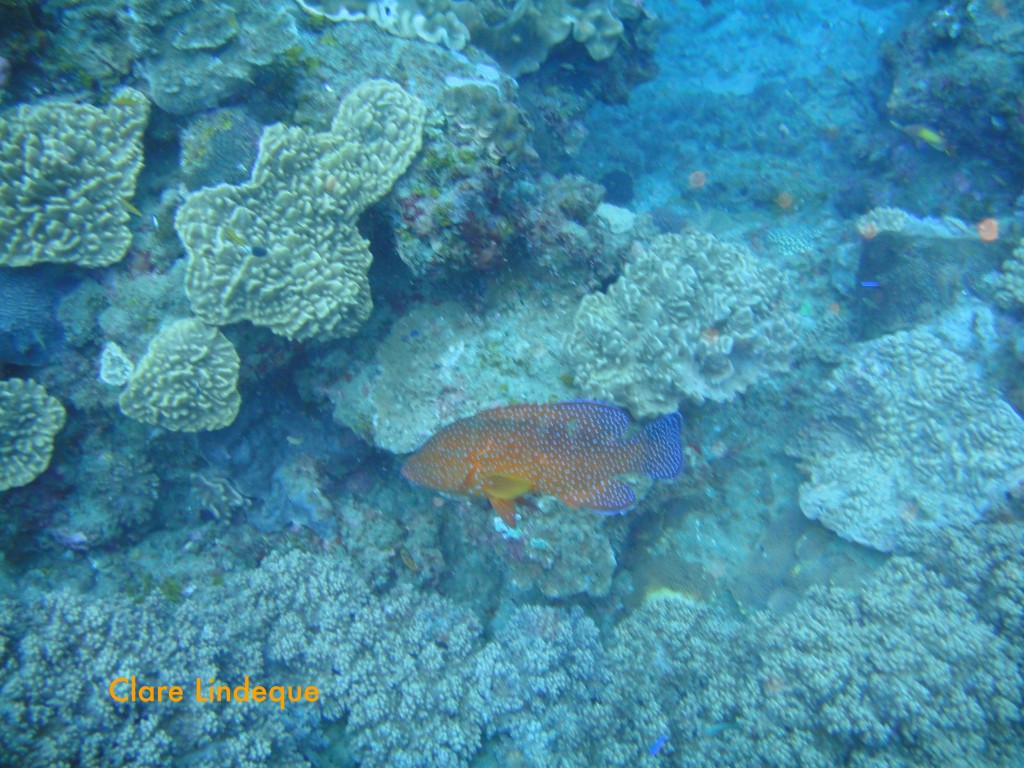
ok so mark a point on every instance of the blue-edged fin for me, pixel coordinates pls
(609, 497)
(660, 454)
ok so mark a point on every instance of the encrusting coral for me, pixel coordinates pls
(29, 420)
(282, 250)
(67, 176)
(691, 316)
(187, 381)
(905, 436)
(899, 223)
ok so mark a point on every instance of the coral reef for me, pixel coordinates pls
(519, 36)
(116, 367)
(793, 690)
(440, 363)
(569, 231)
(1009, 287)
(67, 176)
(396, 670)
(115, 491)
(29, 332)
(479, 118)
(699, 248)
(533, 684)
(986, 562)
(405, 674)
(187, 380)
(282, 250)
(522, 38)
(135, 305)
(45, 682)
(900, 223)
(219, 147)
(463, 203)
(429, 20)
(904, 436)
(29, 420)
(691, 316)
(195, 57)
(957, 68)
(943, 690)
(565, 552)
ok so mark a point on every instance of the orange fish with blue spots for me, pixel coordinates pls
(575, 450)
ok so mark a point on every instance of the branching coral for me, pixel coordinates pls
(902, 671)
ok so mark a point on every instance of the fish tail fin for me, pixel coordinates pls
(660, 454)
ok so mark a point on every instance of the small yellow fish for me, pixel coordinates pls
(408, 561)
(233, 236)
(933, 138)
(131, 208)
(127, 100)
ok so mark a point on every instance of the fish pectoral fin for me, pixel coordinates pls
(506, 509)
(506, 486)
(610, 496)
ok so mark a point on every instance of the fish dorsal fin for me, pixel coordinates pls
(499, 486)
(506, 510)
(607, 496)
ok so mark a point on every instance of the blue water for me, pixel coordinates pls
(255, 255)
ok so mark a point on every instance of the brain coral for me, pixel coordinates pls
(691, 316)
(282, 250)
(187, 381)
(29, 420)
(905, 437)
(66, 174)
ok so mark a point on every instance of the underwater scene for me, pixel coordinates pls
(512, 383)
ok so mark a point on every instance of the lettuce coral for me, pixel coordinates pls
(282, 249)
(691, 316)
(187, 381)
(29, 420)
(67, 174)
